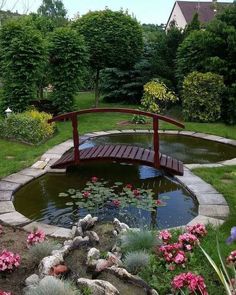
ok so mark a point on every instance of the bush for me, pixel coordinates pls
(157, 97)
(29, 127)
(52, 286)
(202, 97)
(41, 250)
(135, 261)
(138, 240)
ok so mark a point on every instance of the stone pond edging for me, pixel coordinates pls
(213, 207)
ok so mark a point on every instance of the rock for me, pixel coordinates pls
(92, 257)
(59, 270)
(153, 292)
(115, 258)
(98, 287)
(79, 241)
(47, 263)
(32, 280)
(93, 237)
(120, 226)
(62, 251)
(102, 264)
(86, 223)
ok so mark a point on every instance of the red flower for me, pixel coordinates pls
(86, 195)
(5, 293)
(136, 193)
(129, 186)
(159, 202)
(116, 203)
(94, 179)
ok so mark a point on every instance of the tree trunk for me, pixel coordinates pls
(97, 88)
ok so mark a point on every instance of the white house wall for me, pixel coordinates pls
(178, 17)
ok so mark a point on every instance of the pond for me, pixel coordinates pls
(40, 199)
(184, 148)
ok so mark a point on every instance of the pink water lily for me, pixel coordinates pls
(94, 179)
(86, 195)
(116, 203)
(129, 186)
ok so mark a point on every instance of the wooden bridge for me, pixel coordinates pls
(121, 153)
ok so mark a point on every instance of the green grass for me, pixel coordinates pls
(15, 156)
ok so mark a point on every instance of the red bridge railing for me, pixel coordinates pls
(73, 116)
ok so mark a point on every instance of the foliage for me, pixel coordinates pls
(40, 250)
(135, 261)
(194, 25)
(22, 57)
(67, 55)
(51, 286)
(157, 97)
(133, 240)
(99, 195)
(30, 127)
(9, 261)
(114, 39)
(139, 119)
(202, 97)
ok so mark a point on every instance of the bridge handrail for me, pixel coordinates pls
(116, 110)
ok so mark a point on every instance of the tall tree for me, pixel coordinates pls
(114, 39)
(194, 25)
(55, 10)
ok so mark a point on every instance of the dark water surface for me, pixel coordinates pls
(39, 199)
(184, 148)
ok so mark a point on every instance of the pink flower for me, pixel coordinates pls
(191, 282)
(37, 236)
(129, 186)
(94, 179)
(180, 258)
(159, 202)
(188, 241)
(165, 236)
(171, 253)
(116, 203)
(5, 293)
(9, 261)
(86, 195)
(199, 230)
(231, 259)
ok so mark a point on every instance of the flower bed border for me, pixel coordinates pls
(213, 207)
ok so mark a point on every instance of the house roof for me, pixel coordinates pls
(205, 10)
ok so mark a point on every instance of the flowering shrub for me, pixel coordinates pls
(199, 230)
(9, 261)
(37, 236)
(165, 236)
(5, 293)
(172, 254)
(189, 282)
(188, 241)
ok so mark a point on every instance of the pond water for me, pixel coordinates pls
(39, 200)
(184, 148)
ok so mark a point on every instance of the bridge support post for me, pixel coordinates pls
(75, 138)
(156, 142)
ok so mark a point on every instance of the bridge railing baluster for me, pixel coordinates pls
(156, 142)
(74, 122)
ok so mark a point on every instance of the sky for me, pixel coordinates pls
(146, 11)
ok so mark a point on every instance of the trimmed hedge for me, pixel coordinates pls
(202, 97)
(28, 127)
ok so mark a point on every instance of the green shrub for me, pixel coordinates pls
(52, 286)
(135, 261)
(29, 127)
(41, 250)
(202, 97)
(138, 240)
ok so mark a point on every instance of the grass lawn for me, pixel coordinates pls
(15, 156)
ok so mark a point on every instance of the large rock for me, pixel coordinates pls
(79, 241)
(92, 257)
(32, 280)
(47, 264)
(98, 287)
(120, 226)
(93, 237)
(85, 223)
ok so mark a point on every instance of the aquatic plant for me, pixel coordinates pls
(135, 261)
(41, 250)
(53, 286)
(138, 240)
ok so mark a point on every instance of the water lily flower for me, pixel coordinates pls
(159, 202)
(86, 195)
(232, 236)
(116, 203)
(136, 193)
(129, 186)
(94, 179)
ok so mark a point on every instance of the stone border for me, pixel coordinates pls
(213, 207)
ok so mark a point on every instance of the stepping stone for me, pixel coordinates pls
(18, 178)
(6, 195)
(39, 165)
(6, 206)
(206, 220)
(8, 186)
(47, 228)
(14, 218)
(32, 172)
